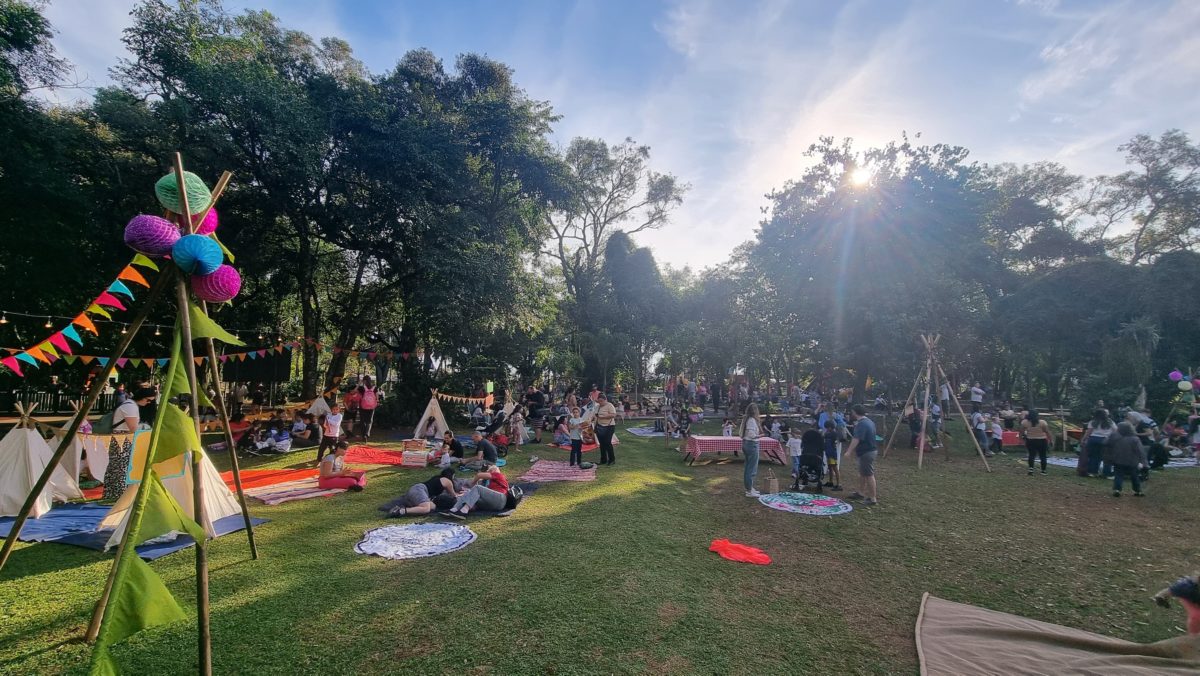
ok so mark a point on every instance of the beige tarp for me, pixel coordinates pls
(962, 640)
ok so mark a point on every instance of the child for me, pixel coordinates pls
(332, 429)
(776, 430)
(795, 450)
(831, 440)
(575, 425)
(727, 428)
(562, 436)
(997, 437)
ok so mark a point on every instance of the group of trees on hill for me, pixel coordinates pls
(426, 210)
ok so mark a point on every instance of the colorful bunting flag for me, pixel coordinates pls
(204, 327)
(144, 262)
(97, 310)
(121, 362)
(224, 358)
(47, 349)
(28, 359)
(129, 274)
(13, 365)
(109, 300)
(162, 362)
(87, 359)
(70, 358)
(118, 287)
(58, 341)
(252, 355)
(86, 322)
(37, 354)
(102, 360)
(148, 362)
(262, 353)
(71, 333)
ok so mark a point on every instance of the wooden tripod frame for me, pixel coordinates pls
(932, 371)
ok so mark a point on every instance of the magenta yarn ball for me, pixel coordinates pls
(219, 286)
(197, 254)
(151, 235)
(209, 225)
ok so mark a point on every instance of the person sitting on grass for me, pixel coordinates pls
(485, 452)
(305, 431)
(334, 473)
(493, 496)
(452, 446)
(562, 433)
(429, 431)
(418, 500)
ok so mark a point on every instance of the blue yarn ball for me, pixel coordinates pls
(197, 255)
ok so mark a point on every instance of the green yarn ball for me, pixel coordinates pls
(167, 191)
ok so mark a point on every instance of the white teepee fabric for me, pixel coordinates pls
(319, 407)
(432, 410)
(72, 460)
(219, 501)
(23, 457)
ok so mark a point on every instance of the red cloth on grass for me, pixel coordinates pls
(374, 456)
(257, 478)
(739, 552)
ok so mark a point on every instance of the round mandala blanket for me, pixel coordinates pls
(415, 541)
(806, 503)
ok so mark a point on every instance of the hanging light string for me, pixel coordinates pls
(158, 328)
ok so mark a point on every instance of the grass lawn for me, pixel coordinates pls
(615, 576)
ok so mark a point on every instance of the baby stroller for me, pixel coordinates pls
(812, 461)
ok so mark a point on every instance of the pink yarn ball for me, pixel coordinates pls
(209, 225)
(219, 286)
(151, 235)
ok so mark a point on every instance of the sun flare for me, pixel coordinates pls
(861, 176)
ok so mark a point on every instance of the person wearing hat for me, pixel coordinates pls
(606, 425)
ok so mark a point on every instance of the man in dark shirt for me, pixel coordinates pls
(451, 445)
(485, 452)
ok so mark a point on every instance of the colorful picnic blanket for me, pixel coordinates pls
(374, 456)
(557, 470)
(586, 447)
(645, 432)
(415, 541)
(806, 503)
(258, 478)
(290, 491)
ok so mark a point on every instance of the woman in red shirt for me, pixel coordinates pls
(493, 496)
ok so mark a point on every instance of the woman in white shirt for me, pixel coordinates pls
(750, 431)
(126, 420)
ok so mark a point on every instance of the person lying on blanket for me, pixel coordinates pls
(334, 473)
(493, 496)
(418, 500)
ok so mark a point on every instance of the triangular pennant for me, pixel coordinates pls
(138, 600)
(262, 353)
(198, 360)
(109, 300)
(371, 355)
(224, 358)
(122, 361)
(162, 362)
(71, 333)
(252, 355)
(241, 356)
(279, 349)
(144, 262)
(70, 358)
(178, 432)
(103, 361)
(86, 322)
(149, 362)
(87, 358)
(37, 354)
(97, 310)
(27, 358)
(354, 353)
(13, 365)
(130, 274)
(204, 327)
(47, 348)
(118, 287)
(57, 340)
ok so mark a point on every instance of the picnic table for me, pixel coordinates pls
(698, 444)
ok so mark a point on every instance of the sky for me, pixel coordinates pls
(728, 95)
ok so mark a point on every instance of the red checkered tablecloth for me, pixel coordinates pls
(697, 445)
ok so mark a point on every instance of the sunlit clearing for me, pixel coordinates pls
(860, 176)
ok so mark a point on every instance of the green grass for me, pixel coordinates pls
(614, 576)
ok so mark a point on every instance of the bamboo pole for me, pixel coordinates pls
(967, 422)
(911, 394)
(929, 344)
(945, 414)
(89, 400)
(204, 629)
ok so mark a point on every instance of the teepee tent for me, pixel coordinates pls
(24, 455)
(176, 474)
(432, 410)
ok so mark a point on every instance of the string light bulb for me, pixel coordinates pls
(260, 336)
(124, 330)
(4, 318)
(48, 323)
(157, 330)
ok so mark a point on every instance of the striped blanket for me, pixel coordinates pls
(557, 470)
(300, 489)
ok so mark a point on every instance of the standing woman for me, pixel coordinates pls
(749, 432)
(1037, 438)
(126, 419)
(1095, 437)
(606, 425)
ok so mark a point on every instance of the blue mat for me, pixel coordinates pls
(75, 524)
(62, 520)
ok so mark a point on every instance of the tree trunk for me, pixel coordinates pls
(351, 327)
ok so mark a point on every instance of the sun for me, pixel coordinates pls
(861, 176)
